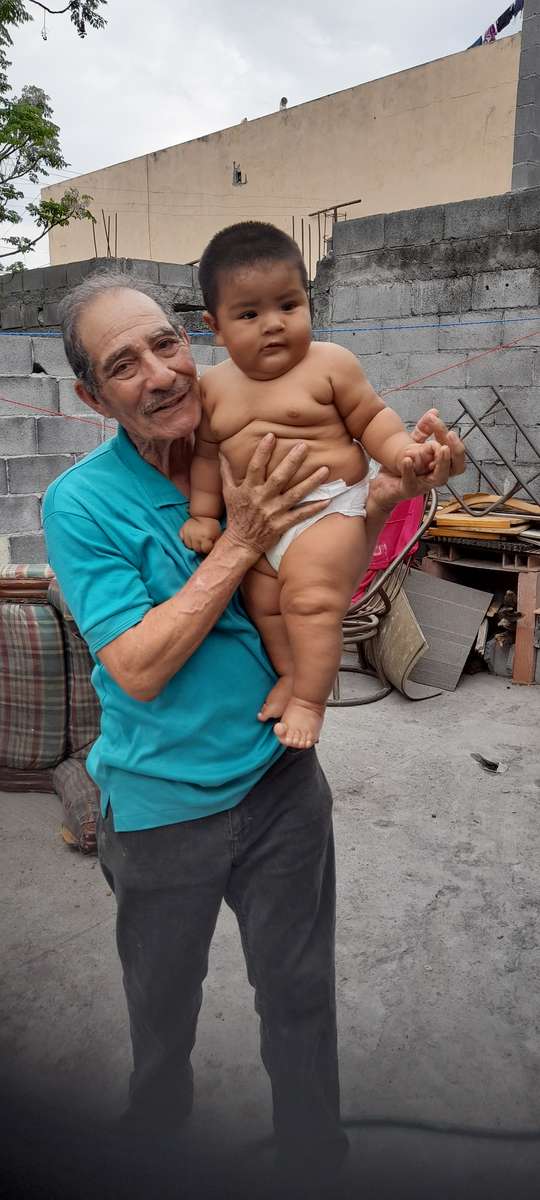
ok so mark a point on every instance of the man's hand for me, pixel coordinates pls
(200, 534)
(261, 508)
(449, 459)
(421, 455)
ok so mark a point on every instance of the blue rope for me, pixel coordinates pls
(330, 329)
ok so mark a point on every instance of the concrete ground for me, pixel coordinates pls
(438, 956)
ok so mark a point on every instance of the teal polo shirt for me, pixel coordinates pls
(112, 529)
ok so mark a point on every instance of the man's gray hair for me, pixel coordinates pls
(74, 304)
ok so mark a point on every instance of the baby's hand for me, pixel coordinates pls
(200, 534)
(421, 456)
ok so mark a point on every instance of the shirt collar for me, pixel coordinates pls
(160, 491)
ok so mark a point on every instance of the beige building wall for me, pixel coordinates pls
(439, 132)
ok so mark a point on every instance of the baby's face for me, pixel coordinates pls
(263, 318)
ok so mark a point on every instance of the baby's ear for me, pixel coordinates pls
(212, 324)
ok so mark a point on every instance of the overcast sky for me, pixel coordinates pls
(165, 71)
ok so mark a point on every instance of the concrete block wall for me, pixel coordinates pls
(42, 434)
(414, 293)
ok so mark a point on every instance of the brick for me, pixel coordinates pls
(506, 289)
(528, 118)
(50, 313)
(363, 233)
(18, 514)
(141, 268)
(175, 273)
(394, 370)
(31, 314)
(528, 90)
(12, 282)
(425, 364)
(474, 331)
(468, 482)
(364, 341)
(55, 277)
(48, 353)
(525, 175)
(34, 474)
(54, 434)
(78, 271)
(527, 147)
(498, 477)
(473, 218)
(70, 405)
(525, 210)
(524, 449)
(514, 327)
(12, 316)
(524, 403)
(15, 355)
(442, 295)
(28, 548)
(3, 477)
(414, 226)
(380, 300)
(531, 30)
(17, 435)
(35, 280)
(39, 391)
(513, 367)
(504, 437)
(480, 402)
(411, 337)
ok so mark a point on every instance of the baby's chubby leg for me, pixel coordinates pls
(318, 575)
(261, 592)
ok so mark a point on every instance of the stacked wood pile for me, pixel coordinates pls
(486, 517)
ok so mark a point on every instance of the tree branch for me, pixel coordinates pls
(53, 11)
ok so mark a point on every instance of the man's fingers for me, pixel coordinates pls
(425, 425)
(296, 494)
(226, 473)
(256, 471)
(457, 454)
(295, 515)
(286, 470)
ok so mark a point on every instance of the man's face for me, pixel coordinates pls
(263, 318)
(145, 376)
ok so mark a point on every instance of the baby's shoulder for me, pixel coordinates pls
(214, 381)
(334, 358)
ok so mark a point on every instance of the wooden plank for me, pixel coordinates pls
(528, 598)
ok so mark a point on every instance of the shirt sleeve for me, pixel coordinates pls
(103, 590)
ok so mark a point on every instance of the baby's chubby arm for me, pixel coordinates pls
(370, 421)
(202, 530)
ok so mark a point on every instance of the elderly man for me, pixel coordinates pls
(199, 800)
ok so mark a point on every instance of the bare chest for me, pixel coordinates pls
(296, 401)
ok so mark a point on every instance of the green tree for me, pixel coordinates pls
(29, 139)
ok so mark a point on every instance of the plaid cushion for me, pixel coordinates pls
(83, 717)
(79, 797)
(25, 781)
(32, 688)
(25, 582)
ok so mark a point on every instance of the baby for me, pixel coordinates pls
(278, 380)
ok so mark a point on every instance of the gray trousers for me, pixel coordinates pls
(272, 859)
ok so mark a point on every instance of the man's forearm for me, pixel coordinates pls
(143, 659)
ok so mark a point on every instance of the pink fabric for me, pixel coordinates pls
(401, 527)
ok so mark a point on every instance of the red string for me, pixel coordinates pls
(388, 391)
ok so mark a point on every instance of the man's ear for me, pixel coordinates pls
(89, 399)
(212, 324)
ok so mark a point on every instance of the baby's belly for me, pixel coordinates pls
(344, 458)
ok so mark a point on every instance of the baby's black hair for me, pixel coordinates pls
(244, 245)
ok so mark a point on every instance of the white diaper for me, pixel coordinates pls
(350, 501)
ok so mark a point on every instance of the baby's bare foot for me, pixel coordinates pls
(300, 725)
(277, 699)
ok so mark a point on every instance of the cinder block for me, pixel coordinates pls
(522, 323)
(528, 90)
(422, 335)
(12, 316)
(474, 331)
(378, 300)
(5, 556)
(524, 403)
(527, 147)
(34, 474)
(506, 289)
(363, 233)
(511, 367)
(35, 280)
(28, 548)
(528, 63)
(437, 365)
(498, 478)
(504, 437)
(536, 367)
(56, 434)
(12, 282)
(220, 354)
(78, 271)
(31, 314)
(364, 340)
(531, 26)
(70, 405)
(525, 209)
(412, 403)
(203, 355)
(17, 435)
(414, 226)
(475, 218)
(51, 313)
(528, 118)
(394, 370)
(3, 477)
(442, 295)
(49, 354)
(15, 355)
(524, 449)
(525, 175)
(55, 277)
(27, 392)
(18, 514)
(175, 273)
(467, 483)
(141, 268)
